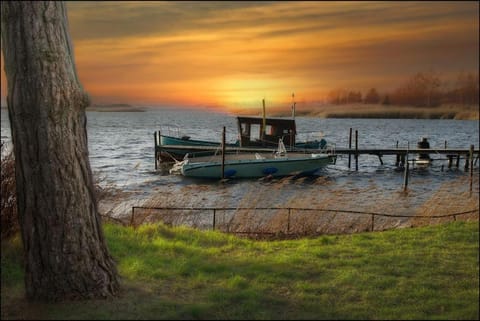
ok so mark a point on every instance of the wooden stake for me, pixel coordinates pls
(223, 153)
(350, 148)
(471, 167)
(155, 148)
(405, 178)
(356, 150)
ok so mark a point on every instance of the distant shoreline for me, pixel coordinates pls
(455, 112)
(116, 108)
(377, 112)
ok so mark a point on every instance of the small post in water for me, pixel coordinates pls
(356, 150)
(471, 167)
(349, 148)
(405, 179)
(155, 148)
(223, 153)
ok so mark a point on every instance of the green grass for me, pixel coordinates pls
(181, 273)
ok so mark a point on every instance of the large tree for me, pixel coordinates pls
(64, 247)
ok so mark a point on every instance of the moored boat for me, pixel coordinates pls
(256, 165)
(255, 133)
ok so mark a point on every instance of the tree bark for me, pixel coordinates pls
(66, 256)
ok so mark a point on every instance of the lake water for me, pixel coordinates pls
(121, 146)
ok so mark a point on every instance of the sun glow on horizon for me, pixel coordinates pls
(231, 55)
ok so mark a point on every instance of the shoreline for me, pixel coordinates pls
(375, 112)
(354, 111)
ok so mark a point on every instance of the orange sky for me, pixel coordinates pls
(234, 54)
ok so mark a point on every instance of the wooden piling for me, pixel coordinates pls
(450, 160)
(471, 167)
(350, 147)
(155, 149)
(356, 150)
(223, 153)
(380, 158)
(405, 178)
(457, 163)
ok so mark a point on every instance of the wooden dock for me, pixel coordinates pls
(469, 155)
(402, 159)
(450, 153)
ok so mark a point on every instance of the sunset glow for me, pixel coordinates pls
(233, 54)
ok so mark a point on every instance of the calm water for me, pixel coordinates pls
(121, 150)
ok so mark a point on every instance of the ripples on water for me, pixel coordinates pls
(121, 150)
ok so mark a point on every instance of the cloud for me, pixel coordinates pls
(182, 50)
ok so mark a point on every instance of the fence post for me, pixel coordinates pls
(288, 221)
(373, 219)
(133, 214)
(214, 219)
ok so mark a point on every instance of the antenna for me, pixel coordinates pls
(293, 105)
(263, 120)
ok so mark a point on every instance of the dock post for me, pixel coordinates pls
(380, 158)
(155, 149)
(449, 160)
(457, 163)
(349, 148)
(397, 159)
(356, 150)
(471, 167)
(223, 153)
(467, 161)
(405, 178)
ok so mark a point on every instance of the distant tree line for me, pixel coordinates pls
(424, 89)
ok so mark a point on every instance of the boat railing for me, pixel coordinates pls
(169, 130)
(310, 135)
(330, 149)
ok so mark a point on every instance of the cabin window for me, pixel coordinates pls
(255, 132)
(269, 130)
(244, 129)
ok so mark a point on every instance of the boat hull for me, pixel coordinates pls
(258, 167)
(173, 148)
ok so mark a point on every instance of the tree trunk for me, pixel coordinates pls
(65, 251)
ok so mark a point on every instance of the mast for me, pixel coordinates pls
(264, 120)
(293, 106)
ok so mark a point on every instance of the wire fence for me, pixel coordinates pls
(286, 222)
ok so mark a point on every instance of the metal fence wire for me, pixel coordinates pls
(286, 221)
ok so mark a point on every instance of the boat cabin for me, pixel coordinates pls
(254, 132)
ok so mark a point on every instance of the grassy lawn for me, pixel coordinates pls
(181, 273)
